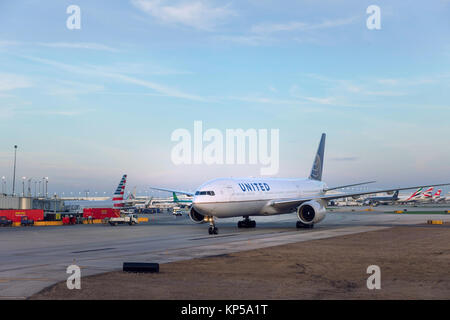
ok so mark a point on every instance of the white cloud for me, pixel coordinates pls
(197, 14)
(248, 40)
(77, 45)
(265, 28)
(72, 88)
(64, 45)
(98, 72)
(10, 81)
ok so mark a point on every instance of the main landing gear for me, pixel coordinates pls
(246, 223)
(212, 226)
(301, 225)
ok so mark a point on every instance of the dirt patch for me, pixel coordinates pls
(414, 262)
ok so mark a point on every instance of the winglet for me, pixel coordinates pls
(316, 171)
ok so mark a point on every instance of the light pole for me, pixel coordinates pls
(35, 189)
(23, 186)
(14, 175)
(39, 194)
(4, 185)
(29, 187)
(46, 187)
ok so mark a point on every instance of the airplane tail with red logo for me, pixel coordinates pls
(118, 195)
(429, 193)
(437, 195)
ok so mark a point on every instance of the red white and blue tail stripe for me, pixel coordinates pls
(118, 195)
(429, 193)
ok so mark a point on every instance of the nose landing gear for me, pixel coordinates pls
(246, 223)
(212, 227)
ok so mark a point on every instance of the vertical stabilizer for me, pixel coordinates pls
(118, 195)
(316, 171)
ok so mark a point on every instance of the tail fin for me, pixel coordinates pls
(175, 198)
(316, 171)
(428, 193)
(415, 194)
(118, 195)
(438, 193)
(395, 196)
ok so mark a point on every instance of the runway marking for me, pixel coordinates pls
(12, 298)
(25, 267)
(23, 279)
(216, 237)
(92, 250)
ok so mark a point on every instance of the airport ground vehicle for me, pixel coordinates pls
(25, 221)
(148, 210)
(5, 222)
(101, 213)
(130, 219)
(176, 211)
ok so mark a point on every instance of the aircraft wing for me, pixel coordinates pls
(349, 185)
(176, 191)
(298, 201)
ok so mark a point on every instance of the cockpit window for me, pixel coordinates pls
(204, 193)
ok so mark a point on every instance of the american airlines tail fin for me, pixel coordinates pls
(118, 195)
(316, 171)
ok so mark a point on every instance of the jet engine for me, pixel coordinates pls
(311, 212)
(196, 216)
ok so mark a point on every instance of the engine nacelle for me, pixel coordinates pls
(196, 216)
(311, 212)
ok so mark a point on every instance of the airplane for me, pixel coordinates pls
(116, 201)
(137, 201)
(177, 200)
(246, 197)
(411, 198)
(438, 198)
(428, 195)
(381, 199)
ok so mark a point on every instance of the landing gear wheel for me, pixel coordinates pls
(246, 223)
(213, 230)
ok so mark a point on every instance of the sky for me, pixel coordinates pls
(87, 105)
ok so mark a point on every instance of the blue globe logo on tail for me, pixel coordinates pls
(316, 171)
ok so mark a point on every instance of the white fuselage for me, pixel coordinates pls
(234, 197)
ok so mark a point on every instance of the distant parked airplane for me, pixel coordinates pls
(382, 199)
